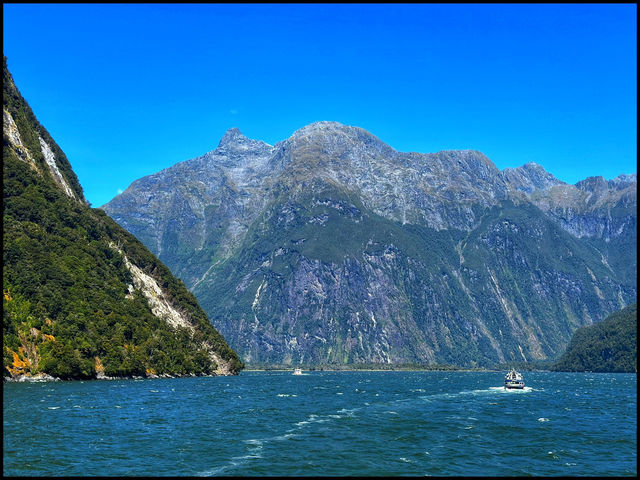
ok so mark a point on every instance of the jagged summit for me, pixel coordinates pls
(601, 184)
(530, 177)
(623, 181)
(235, 142)
(231, 136)
(534, 167)
(595, 183)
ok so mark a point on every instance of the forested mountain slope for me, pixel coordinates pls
(607, 346)
(82, 298)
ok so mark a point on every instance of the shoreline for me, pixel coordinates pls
(43, 377)
(48, 378)
(361, 370)
(461, 370)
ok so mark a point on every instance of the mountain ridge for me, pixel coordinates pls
(316, 208)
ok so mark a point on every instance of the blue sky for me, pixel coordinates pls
(127, 90)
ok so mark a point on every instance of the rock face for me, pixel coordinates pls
(332, 247)
(82, 298)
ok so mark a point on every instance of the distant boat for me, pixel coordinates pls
(513, 380)
(297, 371)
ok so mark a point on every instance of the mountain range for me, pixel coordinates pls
(331, 247)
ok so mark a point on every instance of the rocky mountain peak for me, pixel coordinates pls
(623, 181)
(334, 134)
(234, 142)
(335, 143)
(231, 136)
(593, 184)
(600, 185)
(529, 178)
(535, 169)
(321, 127)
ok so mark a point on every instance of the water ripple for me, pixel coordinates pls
(329, 424)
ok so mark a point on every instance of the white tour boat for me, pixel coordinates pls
(297, 371)
(513, 380)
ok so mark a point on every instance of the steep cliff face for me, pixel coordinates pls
(82, 298)
(332, 247)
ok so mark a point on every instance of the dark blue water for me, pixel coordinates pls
(324, 423)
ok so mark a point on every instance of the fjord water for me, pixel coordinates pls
(324, 423)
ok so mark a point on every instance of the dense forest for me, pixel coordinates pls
(607, 346)
(69, 306)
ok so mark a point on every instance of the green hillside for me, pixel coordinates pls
(70, 309)
(607, 346)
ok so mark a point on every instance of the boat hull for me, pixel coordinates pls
(517, 386)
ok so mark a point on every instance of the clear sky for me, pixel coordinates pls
(127, 90)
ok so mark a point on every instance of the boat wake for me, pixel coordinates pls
(252, 450)
(253, 447)
(482, 391)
